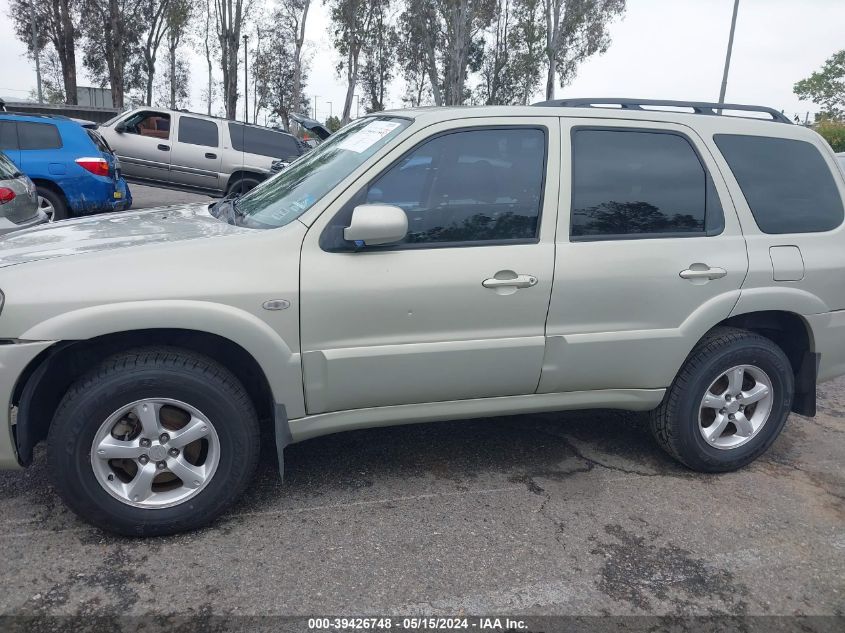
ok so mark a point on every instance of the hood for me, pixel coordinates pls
(112, 231)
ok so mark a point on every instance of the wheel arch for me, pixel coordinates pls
(48, 377)
(793, 334)
(236, 176)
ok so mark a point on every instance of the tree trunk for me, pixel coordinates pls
(66, 49)
(352, 81)
(173, 78)
(296, 93)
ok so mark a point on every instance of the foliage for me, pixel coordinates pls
(57, 29)
(575, 31)
(275, 68)
(333, 124)
(833, 132)
(826, 87)
(112, 42)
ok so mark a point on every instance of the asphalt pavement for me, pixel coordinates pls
(576, 513)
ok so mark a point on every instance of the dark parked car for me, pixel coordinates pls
(18, 199)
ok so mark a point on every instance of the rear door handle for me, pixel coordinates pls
(164, 148)
(520, 281)
(210, 155)
(702, 271)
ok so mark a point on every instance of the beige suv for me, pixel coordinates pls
(194, 152)
(426, 265)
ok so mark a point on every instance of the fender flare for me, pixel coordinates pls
(280, 364)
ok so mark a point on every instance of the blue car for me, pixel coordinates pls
(74, 170)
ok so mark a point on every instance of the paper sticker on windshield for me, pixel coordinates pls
(369, 135)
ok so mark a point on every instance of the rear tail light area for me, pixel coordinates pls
(97, 166)
(6, 195)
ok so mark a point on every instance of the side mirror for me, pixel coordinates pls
(376, 224)
(120, 128)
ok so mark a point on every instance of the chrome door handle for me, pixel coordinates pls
(520, 281)
(703, 272)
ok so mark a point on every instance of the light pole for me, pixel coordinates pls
(246, 80)
(315, 106)
(357, 106)
(728, 55)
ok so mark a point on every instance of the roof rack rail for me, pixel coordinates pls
(698, 107)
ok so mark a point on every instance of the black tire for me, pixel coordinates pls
(152, 373)
(55, 200)
(675, 423)
(240, 186)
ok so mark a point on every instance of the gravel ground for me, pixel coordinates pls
(575, 513)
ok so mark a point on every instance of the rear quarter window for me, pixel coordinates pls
(38, 135)
(263, 141)
(8, 135)
(787, 183)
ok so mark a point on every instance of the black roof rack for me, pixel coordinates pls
(698, 107)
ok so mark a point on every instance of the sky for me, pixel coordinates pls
(661, 49)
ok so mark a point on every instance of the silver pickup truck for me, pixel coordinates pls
(426, 265)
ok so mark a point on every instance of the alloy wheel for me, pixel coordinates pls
(155, 453)
(735, 407)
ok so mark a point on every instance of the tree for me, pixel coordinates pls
(58, 23)
(177, 19)
(575, 30)
(513, 55)
(209, 48)
(826, 87)
(229, 21)
(52, 80)
(281, 69)
(154, 14)
(417, 53)
(446, 34)
(352, 20)
(294, 14)
(113, 34)
(333, 124)
(462, 22)
(379, 57)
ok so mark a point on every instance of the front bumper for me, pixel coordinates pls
(14, 358)
(829, 341)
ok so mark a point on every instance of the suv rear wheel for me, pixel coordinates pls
(153, 442)
(728, 403)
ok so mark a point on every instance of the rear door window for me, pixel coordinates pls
(8, 135)
(637, 184)
(263, 141)
(198, 132)
(786, 183)
(38, 135)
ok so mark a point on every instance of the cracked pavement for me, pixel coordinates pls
(577, 513)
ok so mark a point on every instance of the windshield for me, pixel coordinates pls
(294, 190)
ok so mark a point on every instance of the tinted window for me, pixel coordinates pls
(38, 136)
(8, 135)
(197, 131)
(629, 184)
(263, 141)
(98, 141)
(469, 186)
(786, 183)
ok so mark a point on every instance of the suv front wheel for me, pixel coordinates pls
(728, 403)
(154, 441)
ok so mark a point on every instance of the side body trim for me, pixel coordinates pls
(334, 422)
